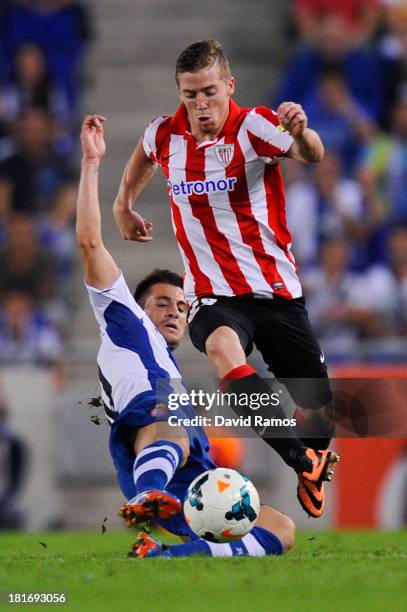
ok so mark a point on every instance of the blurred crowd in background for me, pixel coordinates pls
(348, 214)
(42, 50)
(43, 45)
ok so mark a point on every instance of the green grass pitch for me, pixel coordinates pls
(325, 571)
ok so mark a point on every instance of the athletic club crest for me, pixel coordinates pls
(224, 153)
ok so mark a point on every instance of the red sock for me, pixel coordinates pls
(240, 372)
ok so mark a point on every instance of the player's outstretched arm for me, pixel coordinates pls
(100, 268)
(137, 174)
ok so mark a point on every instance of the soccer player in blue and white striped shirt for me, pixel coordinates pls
(155, 462)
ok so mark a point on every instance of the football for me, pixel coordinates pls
(221, 505)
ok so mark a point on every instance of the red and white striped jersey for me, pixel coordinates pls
(228, 203)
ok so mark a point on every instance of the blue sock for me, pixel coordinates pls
(257, 543)
(155, 465)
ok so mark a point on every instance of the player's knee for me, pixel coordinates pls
(287, 533)
(222, 339)
(215, 346)
(223, 347)
(279, 524)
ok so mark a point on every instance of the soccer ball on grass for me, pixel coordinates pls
(221, 505)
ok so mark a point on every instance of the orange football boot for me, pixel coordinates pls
(310, 489)
(311, 497)
(320, 466)
(148, 505)
(146, 546)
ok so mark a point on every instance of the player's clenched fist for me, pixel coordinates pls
(293, 118)
(133, 226)
(92, 138)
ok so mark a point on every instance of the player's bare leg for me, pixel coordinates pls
(225, 351)
(280, 524)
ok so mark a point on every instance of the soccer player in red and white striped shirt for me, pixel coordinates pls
(221, 164)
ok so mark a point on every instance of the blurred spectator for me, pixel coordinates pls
(24, 264)
(61, 28)
(360, 17)
(3, 30)
(383, 175)
(30, 87)
(334, 48)
(392, 51)
(36, 180)
(333, 297)
(27, 335)
(329, 206)
(58, 238)
(39, 260)
(341, 122)
(13, 469)
(384, 286)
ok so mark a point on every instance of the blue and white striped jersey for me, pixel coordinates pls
(133, 358)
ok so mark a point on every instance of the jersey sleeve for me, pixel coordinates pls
(150, 144)
(119, 292)
(267, 137)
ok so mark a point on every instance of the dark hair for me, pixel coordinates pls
(40, 95)
(201, 55)
(155, 277)
(332, 71)
(395, 228)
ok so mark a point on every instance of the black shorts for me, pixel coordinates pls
(282, 333)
